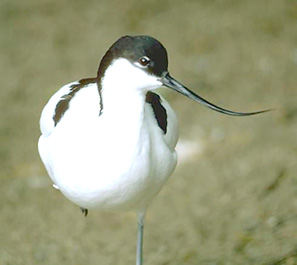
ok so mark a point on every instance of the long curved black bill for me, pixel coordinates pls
(170, 82)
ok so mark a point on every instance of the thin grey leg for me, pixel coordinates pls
(141, 216)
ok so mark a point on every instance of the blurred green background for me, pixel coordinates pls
(233, 196)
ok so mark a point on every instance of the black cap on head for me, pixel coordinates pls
(135, 47)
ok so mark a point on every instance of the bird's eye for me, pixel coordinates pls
(144, 61)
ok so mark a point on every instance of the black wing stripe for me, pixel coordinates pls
(63, 104)
(159, 111)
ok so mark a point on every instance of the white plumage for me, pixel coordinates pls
(118, 160)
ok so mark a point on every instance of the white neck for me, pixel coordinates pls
(125, 84)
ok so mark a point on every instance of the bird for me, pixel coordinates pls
(108, 142)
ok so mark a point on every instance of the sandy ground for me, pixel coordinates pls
(232, 199)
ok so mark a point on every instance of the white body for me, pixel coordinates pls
(118, 160)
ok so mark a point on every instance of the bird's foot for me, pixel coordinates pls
(84, 211)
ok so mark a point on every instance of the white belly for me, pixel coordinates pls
(108, 175)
